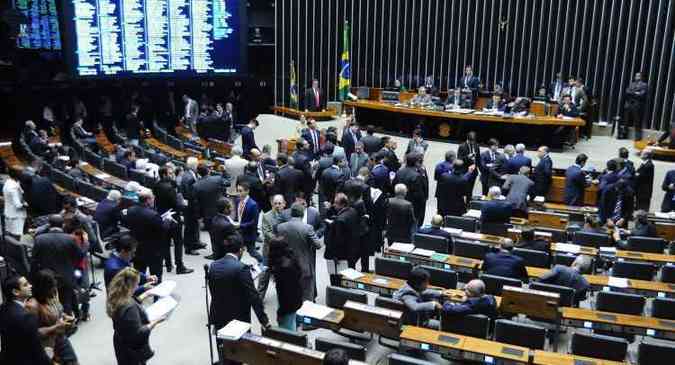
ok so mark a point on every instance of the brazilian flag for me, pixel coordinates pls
(293, 87)
(345, 73)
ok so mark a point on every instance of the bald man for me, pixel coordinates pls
(475, 301)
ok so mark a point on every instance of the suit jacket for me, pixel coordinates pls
(349, 140)
(543, 176)
(485, 305)
(248, 221)
(469, 82)
(489, 162)
(166, 197)
(269, 223)
(58, 252)
(191, 111)
(380, 178)
(575, 183)
(566, 276)
(415, 182)
(331, 181)
(233, 293)
(519, 187)
(303, 241)
(516, 162)
(314, 146)
(668, 204)
(451, 192)
(496, 211)
(43, 197)
(222, 232)
(573, 112)
(556, 88)
(401, 220)
(310, 100)
(187, 180)
(206, 192)
(312, 217)
(234, 167)
(433, 231)
(391, 159)
(356, 162)
(13, 194)
(505, 264)
(131, 334)
(19, 335)
(441, 168)
(257, 190)
(115, 264)
(247, 140)
(469, 153)
(644, 180)
(288, 181)
(609, 200)
(415, 147)
(342, 239)
(499, 107)
(146, 226)
(371, 144)
(108, 215)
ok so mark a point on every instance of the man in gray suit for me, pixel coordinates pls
(358, 159)
(303, 241)
(191, 113)
(311, 216)
(270, 221)
(401, 217)
(519, 187)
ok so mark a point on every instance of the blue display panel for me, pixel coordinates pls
(41, 29)
(118, 37)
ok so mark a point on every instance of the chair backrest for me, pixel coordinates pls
(533, 257)
(476, 204)
(566, 259)
(400, 359)
(114, 168)
(463, 223)
(284, 335)
(474, 325)
(634, 270)
(466, 248)
(650, 352)
(599, 346)
(394, 268)
(591, 239)
(336, 297)
(497, 229)
(495, 283)
(625, 303)
(174, 142)
(16, 255)
(520, 334)
(136, 175)
(389, 303)
(557, 235)
(440, 277)
(663, 308)
(668, 273)
(354, 351)
(566, 293)
(93, 158)
(434, 243)
(64, 180)
(646, 244)
(91, 191)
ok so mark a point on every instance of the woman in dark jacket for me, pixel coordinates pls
(130, 322)
(286, 270)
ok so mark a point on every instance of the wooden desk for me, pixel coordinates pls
(655, 258)
(178, 154)
(567, 209)
(331, 321)
(657, 151)
(547, 219)
(665, 230)
(105, 144)
(296, 113)
(555, 358)
(187, 135)
(617, 322)
(462, 347)
(542, 121)
(102, 176)
(556, 193)
(367, 318)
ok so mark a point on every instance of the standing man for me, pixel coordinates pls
(191, 113)
(489, 161)
(390, 157)
(223, 229)
(469, 81)
(206, 191)
(314, 97)
(191, 211)
(644, 181)
(287, 180)
(543, 172)
(450, 190)
(312, 135)
(555, 90)
(469, 152)
(371, 144)
(247, 137)
(634, 103)
(415, 182)
(575, 182)
(302, 239)
(518, 186)
(400, 216)
(234, 167)
(350, 138)
(358, 159)
(15, 205)
(247, 213)
(668, 186)
(147, 228)
(268, 226)
(342, 237)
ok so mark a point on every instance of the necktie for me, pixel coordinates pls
(617, 208)
(242, 205)
(316, 97)
(315, 141)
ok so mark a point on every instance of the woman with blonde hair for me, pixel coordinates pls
(130, 322)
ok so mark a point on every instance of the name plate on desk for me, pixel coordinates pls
(607, 317)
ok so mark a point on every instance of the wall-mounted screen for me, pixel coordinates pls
(146, 37)
(39, 29)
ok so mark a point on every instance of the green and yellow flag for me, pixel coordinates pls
(345, 73)
(293, 87)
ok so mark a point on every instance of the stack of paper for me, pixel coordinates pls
(453, 231)
(351, 274)
(617, 282)
(608, 250)
(423, 252)
(473, 213)
(234, 330)
(161, 308)
(402, 247)
(567, 247)
(313, 310)
(163, 290)
(102, 176)
(539, 199)
(471, 235)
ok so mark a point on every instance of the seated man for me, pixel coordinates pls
(496, 209)
(420, 303)
(496, 104)
(643, 227)
(528, 241)
(435, 228)
(422, 98)
(571, 277)
(108, 213)
(459, 100)
(502, 262)
(474, 302)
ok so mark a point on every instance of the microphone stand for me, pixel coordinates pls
(208, 312)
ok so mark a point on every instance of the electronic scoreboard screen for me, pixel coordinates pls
(39, 28)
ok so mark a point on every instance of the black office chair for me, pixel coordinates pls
(434, 243)
(476, 204)
(400, 359)
(137, 176)
(599, 346)
(115, 169)
(495, 283)
(393, 268)
(473, 325)
(566, 293)
(336, 297)
(651, 352)
(389, 303)
(442, 278)
(591, 239)
(533, 257)
(284, 335)
(668, 273)
(354, 351)
(93, 158)
(663, 308)
(92, 192)
(520, 334)
(608, 301)
(464, 223)
(496, 229)
(174, 142)
(471, 249)
(64, 180)
(646, 244)
(634, 270)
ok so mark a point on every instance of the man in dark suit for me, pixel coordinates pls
(108, 213)
(555, 89)
(543, 172)
(445, 165)
(302, 160)
(166, 199)
(469, 81)
(668, 186)
(314, 98)
(567, 108)
(350, 137)
(42, 197)
(400, 217)
(626, 168)
(451, 189)
(489, 161)
(634, 102)
(191, 212)
(371, 144)
(469, 152)
(312, 135)
(389, 150)
(457, 100)
(416, 184)
(332, 178)
(436, 229)
(575, 181)
(519, 159)
(125, 250)
(233, 292)
(147, 227)
(570, 276)
(342, 239)
(475, 302)
(247, 214)
(57, 251)
(617, 204)
(223, 229)
(18, 328)
(502, 262)
(258, 191)
(287, 180)
(644, 181)
(206, 191)
(496, 210)
(496, 104)
(248, 138)
(528, 241)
